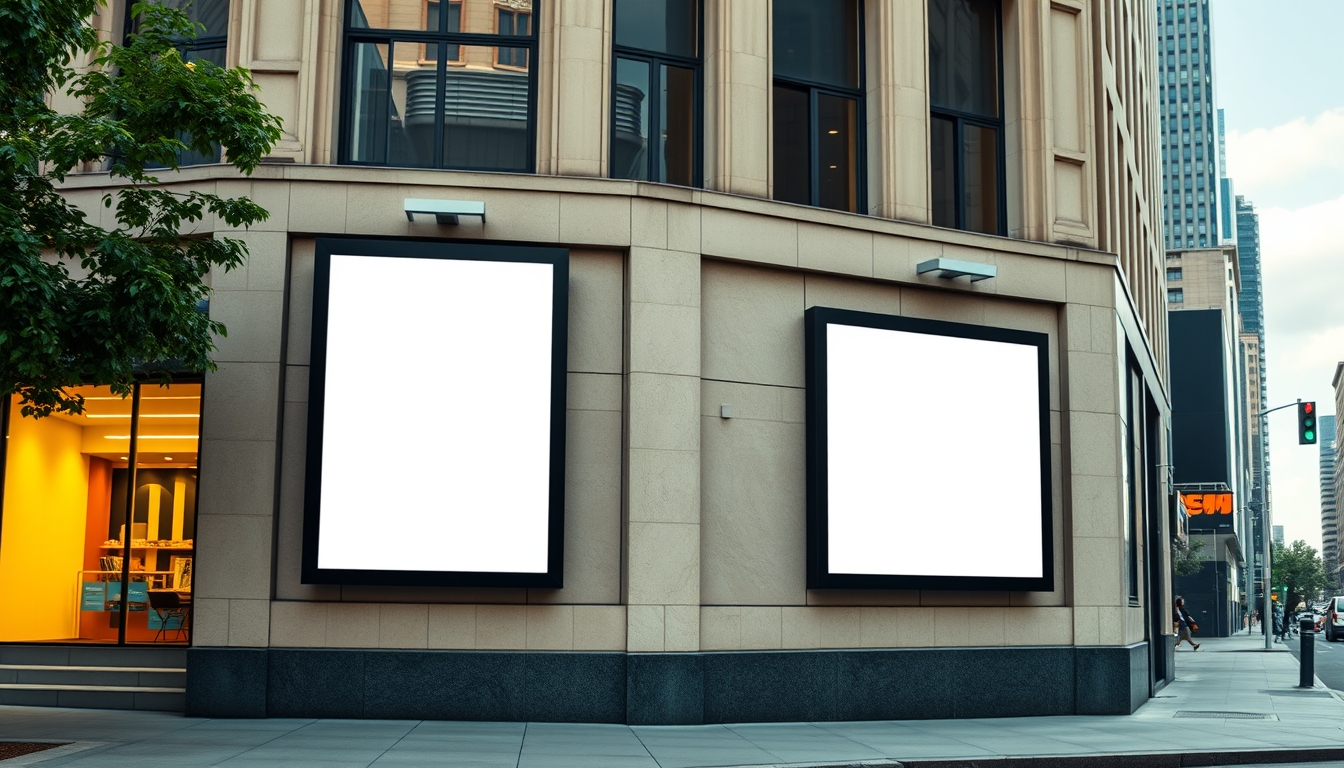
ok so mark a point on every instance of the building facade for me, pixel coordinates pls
(707, 183)
(1329, 515)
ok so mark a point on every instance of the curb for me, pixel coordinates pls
(1131, 760)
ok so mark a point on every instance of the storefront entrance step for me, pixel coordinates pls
(86, 675)
(94, 696)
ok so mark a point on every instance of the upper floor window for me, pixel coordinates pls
(818, 104)
(1176, 295)
(966, 125)
(211, 43)
(440, 84)
(656, 92)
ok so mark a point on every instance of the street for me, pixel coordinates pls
(1329, 660)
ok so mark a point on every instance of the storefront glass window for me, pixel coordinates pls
(67, 570)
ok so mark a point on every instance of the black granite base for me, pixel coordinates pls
(667, 688)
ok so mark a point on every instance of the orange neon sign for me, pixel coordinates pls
(1219, 503)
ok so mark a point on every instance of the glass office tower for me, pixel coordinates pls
(1189, 123)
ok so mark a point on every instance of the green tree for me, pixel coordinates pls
(81, 304)
(1299, 568)
(1188, 561)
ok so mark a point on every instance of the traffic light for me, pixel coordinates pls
(1306, 423)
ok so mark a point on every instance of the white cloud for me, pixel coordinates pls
(1293, 163)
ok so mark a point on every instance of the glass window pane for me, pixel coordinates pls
(369, 103)
(792, 156)
(660, 26)
(981, 169)
(480, 17)
(395, 14)
(485, 113)
(817, 41)
(837, 149)
(964, 56)
(630, 132)
(211, 14)
(415, 83)
(677, 160)
(943, 171)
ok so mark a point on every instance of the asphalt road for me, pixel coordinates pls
(1329, 660)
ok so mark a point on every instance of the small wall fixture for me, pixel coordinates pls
(950, 269)
(444, 211)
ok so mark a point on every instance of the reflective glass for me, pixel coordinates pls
(658, 26)
(943, 171)
(677, 158)
(980, 169)
(964, 56)
(837, 151)
(213, 15)
(630, 136)
(478, 17)
(485, 112)
(792, 156)
(817, 41)
(369, 100)
(415, 84)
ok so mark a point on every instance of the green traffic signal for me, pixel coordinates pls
(1310, 435)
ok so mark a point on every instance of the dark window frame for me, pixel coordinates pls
(858, 94)
(352, 36)
(655, 61)
(959, 120)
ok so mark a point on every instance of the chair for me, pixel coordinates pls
(168, 605)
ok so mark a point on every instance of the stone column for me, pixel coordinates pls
(737, 96)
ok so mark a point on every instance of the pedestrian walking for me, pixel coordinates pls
(1280, 624)
(1185, 624)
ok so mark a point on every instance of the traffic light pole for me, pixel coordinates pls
(1267, 614)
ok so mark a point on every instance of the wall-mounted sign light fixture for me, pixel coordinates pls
(444, 211)
(950, 269)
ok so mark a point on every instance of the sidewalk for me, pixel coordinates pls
(1226, 676)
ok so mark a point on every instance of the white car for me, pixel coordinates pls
(1334, 619)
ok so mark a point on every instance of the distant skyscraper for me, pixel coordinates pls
(1278, 535)
(1329, 517)
(1251, 302)
(1189, 122)
(1227, 221)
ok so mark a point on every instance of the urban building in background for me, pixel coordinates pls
(1251, 302)
(1278, 535)
(690, 179)
(1208, 429)
(1327, 437)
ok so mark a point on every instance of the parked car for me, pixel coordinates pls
(1334, 619)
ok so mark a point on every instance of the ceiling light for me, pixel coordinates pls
(125, 458)
(832, 167)
(832, 131)
(167, 458)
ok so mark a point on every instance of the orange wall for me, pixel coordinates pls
(42, 542)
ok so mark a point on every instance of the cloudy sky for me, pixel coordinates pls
(1279, 69)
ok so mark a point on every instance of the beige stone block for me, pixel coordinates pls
(298, 624)
(962, 599)
(403, 626)
(594, 392)
(377, 209)
(1024, 316)
(1103, 330)
(352, 625)
(1093, 381)
(880, 627)
(1086, 626)
(720, 628)
(237, 477)
(948, 305)
(645, 629)
(664, 564)
(683, 228)
(747, 401)
(1111, 625)
(862, 296)
(648, 223)
(681, 631)
(762, 628)
(249, 623)
(812, 627)
(452, 626)
(1098, 578)
(318, 207)
(793, 404)
(664, 277)
(596, 312)
(665, 339)
(748, 237)
(1030, 277)
(1038, 626)
(210, 622)
(835, 249)
(289, 541)
(268, 254)
(462, 595)
(753, 514)
(241, 402)
(1093, 443)
(896, 256)
(595, 219)
(664, 486)
(239, 565)
(501, 627)
(664, 411)
(298, 345)
(916, 627)
(1078, 327)
(599, 628)
(1096, 506)
(752, 325)
(273, 196)
(863, 597)
(550, 627)
(1090, 284)
(296, 384)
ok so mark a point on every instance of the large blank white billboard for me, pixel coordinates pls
(928, 454)
(436, 394)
